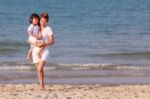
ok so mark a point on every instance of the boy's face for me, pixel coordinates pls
(43, 22)
(35, 21)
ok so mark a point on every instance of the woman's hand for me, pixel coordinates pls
(40, 44)
(44, 44)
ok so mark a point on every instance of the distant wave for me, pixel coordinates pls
(130, 53)
(145, 54)
(10, 47)
(8, 43)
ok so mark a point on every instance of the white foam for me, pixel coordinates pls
(86, 65)
(15, 67)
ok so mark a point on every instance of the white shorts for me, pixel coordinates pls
(35, 56)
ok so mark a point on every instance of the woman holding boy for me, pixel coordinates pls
(48, 39)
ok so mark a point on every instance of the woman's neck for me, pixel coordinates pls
(42, 27)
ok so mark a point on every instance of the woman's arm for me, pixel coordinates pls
(49, 42)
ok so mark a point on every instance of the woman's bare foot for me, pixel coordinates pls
(42, 89)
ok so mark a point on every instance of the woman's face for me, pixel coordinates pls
(43, 22)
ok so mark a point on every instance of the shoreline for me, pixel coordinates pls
(68, 91)
(75, 77)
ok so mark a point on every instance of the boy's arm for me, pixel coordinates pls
(31, 34)
(31, 42)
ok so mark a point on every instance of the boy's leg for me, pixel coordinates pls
(29, 56)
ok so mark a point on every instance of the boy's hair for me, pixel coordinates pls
(33, 15)
(45, 16)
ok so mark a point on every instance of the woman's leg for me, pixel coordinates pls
(40, 73)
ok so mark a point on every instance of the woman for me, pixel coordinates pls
(48, 39)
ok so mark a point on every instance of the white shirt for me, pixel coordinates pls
(46, 32)
(34, 29)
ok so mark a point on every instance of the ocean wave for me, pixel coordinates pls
(16, 67)
(10, 47)
(8, 44)
(122, 55)
(72, 66)
(130, 53)
(23, 67)
(100, 66)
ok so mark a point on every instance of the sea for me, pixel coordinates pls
(104, 42)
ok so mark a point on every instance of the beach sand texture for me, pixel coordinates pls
(29, 91)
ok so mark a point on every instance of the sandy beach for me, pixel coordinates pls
(29, 91)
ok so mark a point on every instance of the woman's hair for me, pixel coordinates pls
(33, 15)
(45, 16)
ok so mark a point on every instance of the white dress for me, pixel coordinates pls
(46, 32)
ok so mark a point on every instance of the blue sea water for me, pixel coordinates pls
(89, 34)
